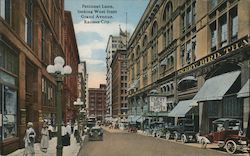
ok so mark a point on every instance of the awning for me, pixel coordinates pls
(244, 92)
(181, 109)
(216, 87)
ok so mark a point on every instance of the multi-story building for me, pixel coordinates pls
(114, 43)
(82, 82)
(97, 102)
(70, 91)
(192, 53)
(31, 36)
(119, 85)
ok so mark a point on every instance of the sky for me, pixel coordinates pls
(94, 21)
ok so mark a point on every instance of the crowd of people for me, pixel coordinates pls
(47, 132)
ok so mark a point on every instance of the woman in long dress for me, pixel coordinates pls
(45, 138)
(29, 140)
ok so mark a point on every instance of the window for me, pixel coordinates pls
(145, 41)
(182, 54)
(138, 68)
(9, 111)
(194, 12)
(43, 47)
(223, 31)
(48, 93)
(154, 29)
(8, 58)
(189, 48)
(193, 49)
(213, 36)
(168, 11)
(213, 3)
(234, 24)
(29, 22)
(5, 10)
(189, 17)
(183, 23)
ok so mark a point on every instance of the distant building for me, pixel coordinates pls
(83, 83)
(97, 102)
(119, 85)
(114, 43)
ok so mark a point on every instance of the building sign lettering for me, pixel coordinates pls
(237, 45)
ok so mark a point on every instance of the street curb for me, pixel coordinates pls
(82, 144)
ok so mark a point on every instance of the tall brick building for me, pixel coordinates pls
(31, 36)
(97, 102)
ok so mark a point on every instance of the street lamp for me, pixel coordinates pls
(78, 103)
(59, 71)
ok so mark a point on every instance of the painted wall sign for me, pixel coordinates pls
(243, 42)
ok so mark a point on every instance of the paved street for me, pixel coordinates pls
(128, 144)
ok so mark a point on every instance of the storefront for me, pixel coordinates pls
(8, 93)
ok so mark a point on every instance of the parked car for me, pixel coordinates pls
(227, 134)
(96, 133)
(184, 131)
(132, 127)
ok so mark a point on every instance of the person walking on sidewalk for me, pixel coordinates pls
(29, 140)
(45, 138)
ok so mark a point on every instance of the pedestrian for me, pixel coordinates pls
(50, 129)
(45, 138)
(68, 131)
(29, 140)
(64, 135)
(76, 132)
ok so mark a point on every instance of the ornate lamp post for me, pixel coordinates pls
(78, 103)
(59, 71)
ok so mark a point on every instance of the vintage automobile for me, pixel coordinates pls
(227, 134)
(184, 131)
(95, 133)
(132, 127)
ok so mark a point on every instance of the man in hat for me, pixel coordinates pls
(29, 140)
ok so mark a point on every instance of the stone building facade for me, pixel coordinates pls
(179, 50)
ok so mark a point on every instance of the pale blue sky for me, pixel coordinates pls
(92, 38)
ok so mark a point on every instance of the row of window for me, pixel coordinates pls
(48, 93)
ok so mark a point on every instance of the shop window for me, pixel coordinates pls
(5, 10)
(213, 108)
(223, 30)
(232, 107)
(9, 107)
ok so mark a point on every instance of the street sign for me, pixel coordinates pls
(157, 103)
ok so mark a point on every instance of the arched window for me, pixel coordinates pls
(168, 11)
(154, 29)
(145, 41)
(137, 51)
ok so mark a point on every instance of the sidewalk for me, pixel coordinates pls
(71, 150)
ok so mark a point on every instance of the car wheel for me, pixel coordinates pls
(183, 138)
(158, 135)
(231, 146)
(203, 143)
(167, 135)
(175, 136)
